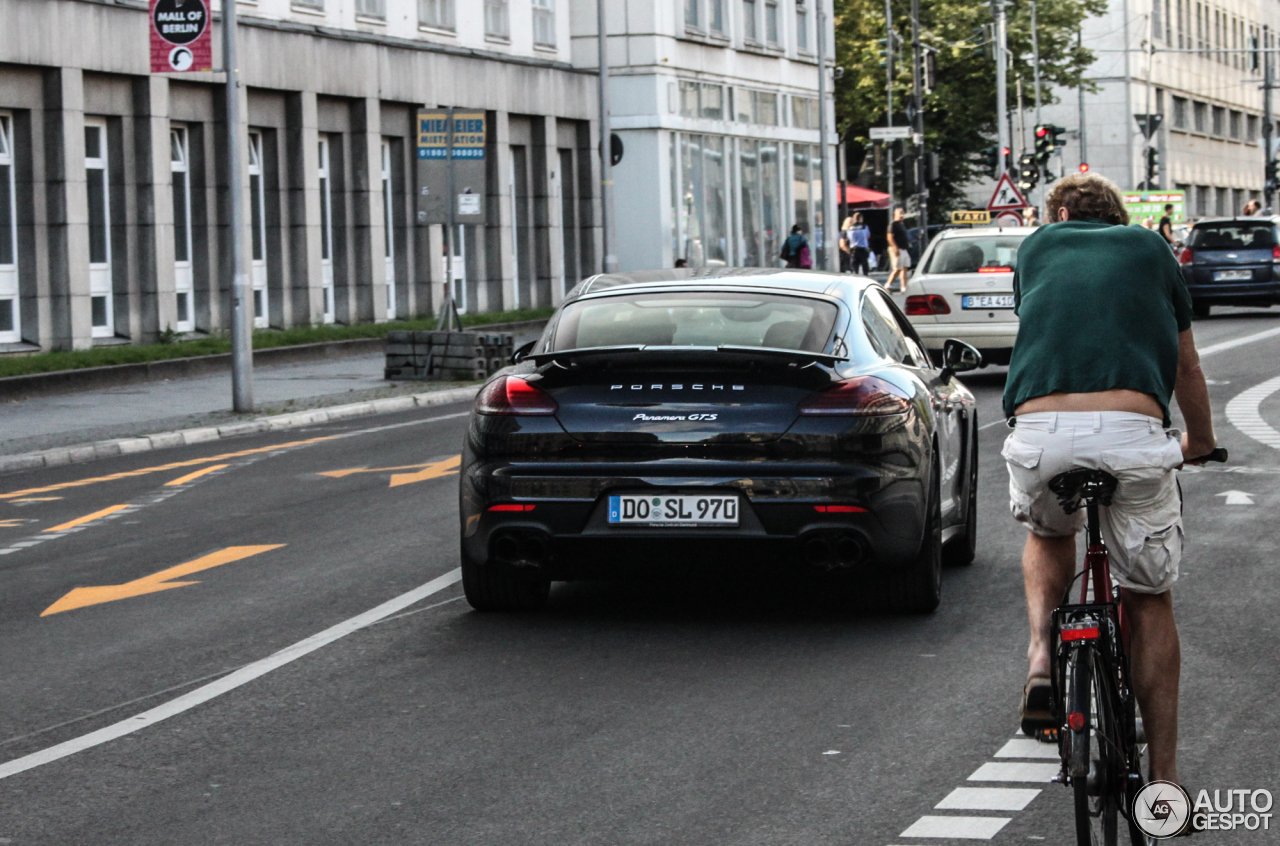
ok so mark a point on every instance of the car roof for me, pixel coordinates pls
(986, 230)
(1218, 221)
(761, 278)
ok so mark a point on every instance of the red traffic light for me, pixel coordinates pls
(1041, 131)
(1004, 151)
(1084, 167)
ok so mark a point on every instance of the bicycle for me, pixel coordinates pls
(1094, 705)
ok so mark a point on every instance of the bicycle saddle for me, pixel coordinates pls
(1076, 488)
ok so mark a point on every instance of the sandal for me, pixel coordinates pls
(1037, 706)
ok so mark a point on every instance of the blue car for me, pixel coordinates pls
(1232, 261)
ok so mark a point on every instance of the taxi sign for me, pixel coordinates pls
(979, 216)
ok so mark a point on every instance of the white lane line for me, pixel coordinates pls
(1028, 747)
(229, 682)
(988, 799)
(1238, 342)
(1007, 771)
(1244, 412)
(961, 828)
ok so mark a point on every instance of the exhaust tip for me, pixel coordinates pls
(520, 548)
(834, 551)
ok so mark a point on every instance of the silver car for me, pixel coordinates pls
(963, 288)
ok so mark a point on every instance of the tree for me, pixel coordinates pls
(960, 113)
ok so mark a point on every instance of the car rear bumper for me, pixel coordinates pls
(568, 527)
(980, 335)
(1245, 293)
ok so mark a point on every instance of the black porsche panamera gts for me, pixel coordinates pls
(684, 417)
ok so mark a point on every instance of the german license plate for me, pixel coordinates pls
(1232, 275)
(986, 301)
(673, 510)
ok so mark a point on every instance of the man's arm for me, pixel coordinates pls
(1193, 400)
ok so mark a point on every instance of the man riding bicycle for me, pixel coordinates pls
(1104, 342)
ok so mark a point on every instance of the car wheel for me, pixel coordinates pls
(964, 548)
(916, 587)
(1200, 309)
(491, 586)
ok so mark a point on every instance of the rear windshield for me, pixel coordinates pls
(970, 255)
(1236, 235)
(690, 318)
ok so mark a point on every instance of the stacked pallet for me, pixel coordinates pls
(449, 356)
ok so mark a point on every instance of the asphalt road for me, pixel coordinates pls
(664, 713)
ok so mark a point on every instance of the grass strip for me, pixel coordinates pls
(22, 365)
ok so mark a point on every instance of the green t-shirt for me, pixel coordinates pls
(1100, 308)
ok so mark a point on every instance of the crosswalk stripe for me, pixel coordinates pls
(960, 828)
(988, 799)
(1028, 747)
(1010, 771)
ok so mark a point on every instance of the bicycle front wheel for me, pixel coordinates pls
(1092, 757)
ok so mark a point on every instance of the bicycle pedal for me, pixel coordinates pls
(1047, 735)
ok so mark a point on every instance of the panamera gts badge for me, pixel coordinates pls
(677, 387)
(668, 418)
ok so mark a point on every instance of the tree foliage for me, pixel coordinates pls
(960, 113)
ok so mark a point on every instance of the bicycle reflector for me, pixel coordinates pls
(1076, 720)
(513, 395)
(863, 396)
(1081, 631)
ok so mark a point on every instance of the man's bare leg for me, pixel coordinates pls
(1156, 659)
(1048, 565)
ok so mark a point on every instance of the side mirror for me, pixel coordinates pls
(522, 351)
(958, 357)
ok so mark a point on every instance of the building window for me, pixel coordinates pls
(802, 27)
(1157, 22)
(711, 105)
(1180, 113)
(180, 168)
(1234, 124)
(544, 23)
(1219, 121)
(702, 99)
(703, 215)
(325, 178)
(749, 32)
(715, 15)
(804, 113)
(9, 329)
(1201, 117)
(756, 107)
(1202, 200)
(1251, 129)
(691, 9)
(1221, 204)
(497, 24)
(389, 228)
(771, 35)
(310, 5)
(258, 223)
(436, 14)
(372, 9)
(99, 182)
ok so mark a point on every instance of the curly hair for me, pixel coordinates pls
(1087, 195)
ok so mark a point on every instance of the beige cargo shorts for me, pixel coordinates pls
(1143, 526)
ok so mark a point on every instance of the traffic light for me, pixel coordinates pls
(1028, 172)
(1153, 167)
(1084, 167)
(1272, 167)
(930, 71)
(1059, 135)
(1044, 142)
(884, 52)
(993, 161)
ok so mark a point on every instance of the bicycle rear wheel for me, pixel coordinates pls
(1092, 757)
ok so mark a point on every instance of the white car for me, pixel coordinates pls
(963, 289)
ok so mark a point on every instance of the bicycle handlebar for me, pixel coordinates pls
(1219, 454)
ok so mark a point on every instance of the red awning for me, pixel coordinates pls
(864, 198)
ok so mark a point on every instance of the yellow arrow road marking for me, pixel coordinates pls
(441, 468)
(80, 521)
(351, 471)
(37, 499)
(84, 596)
(12, 522)
(160, 468)
(182, 480)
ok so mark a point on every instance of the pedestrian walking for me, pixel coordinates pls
(795, 250)
(846, 253)
(859, 238)
(899, 254)
(1166, 225)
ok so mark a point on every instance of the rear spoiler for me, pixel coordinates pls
(780, 355)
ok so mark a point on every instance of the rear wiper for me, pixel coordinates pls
(734, 349)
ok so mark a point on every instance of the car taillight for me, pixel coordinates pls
(839, 509)
(1275, 253)
(513, 395)
(1185, 256)
(512, 506)
(863, 396)
(995, 270)
(928, 304)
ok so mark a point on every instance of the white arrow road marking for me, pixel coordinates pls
(1236, 498)
(1244, 412)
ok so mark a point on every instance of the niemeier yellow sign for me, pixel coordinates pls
(972, 216)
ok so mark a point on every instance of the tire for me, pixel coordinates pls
(963, 548)
(1091, 764)
(1200, 309)
(916, 588)
(497, 587)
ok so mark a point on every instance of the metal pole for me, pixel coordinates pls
(823, 158)
(1268, 187)
(606, 146)
(1022, 121)
(452, 228)
(1150, 134)
(241, 288)
(1035, 64)
(1084, 150)
(917, 73)
(1002, 85)
(888, 64)
(1128, 84)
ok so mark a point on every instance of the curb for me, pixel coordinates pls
(59, 456)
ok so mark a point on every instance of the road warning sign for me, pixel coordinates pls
(1006, 196)
(181, 36)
